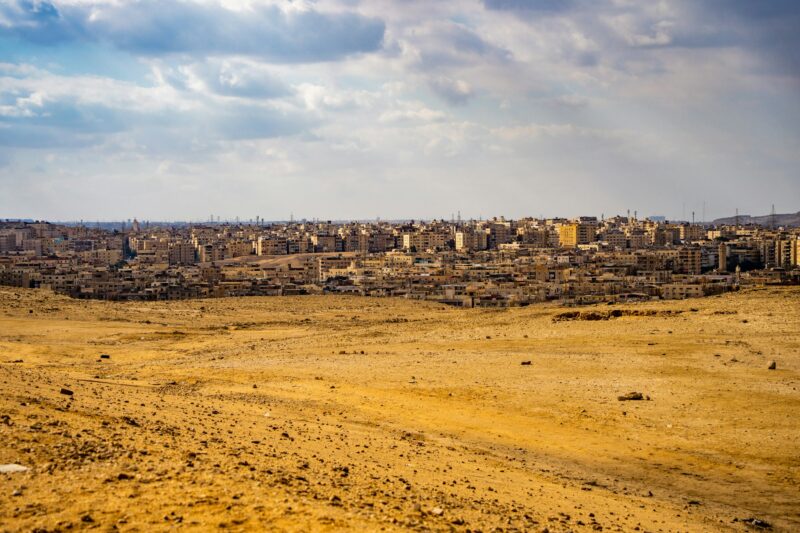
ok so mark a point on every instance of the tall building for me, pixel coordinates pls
(582, 231)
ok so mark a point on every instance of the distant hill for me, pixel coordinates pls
(788, 219)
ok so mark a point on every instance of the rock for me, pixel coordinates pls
(754, 522)
(12, 468)
(130, 421)
(772, 365)
(105, 356)
(67, 392)
(437, 511)
(525, 363)
(631, 396)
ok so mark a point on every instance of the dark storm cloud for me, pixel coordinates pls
(155, 28)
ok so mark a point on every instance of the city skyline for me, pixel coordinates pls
(695, 218)
(497, 262)
(351, 110)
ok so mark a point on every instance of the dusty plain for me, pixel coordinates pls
(348, 413)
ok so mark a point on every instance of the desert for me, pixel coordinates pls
(328, 413)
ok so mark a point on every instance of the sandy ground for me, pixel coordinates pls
(332, 413)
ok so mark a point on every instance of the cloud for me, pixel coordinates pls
(412, 113)
(48, 110)
(456, 91)
(625, 31)
(769, 28)
(321, 98)
(530, 6)
(226, 77)
(157, 28)
(441, 44)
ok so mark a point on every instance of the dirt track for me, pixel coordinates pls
(351, 413)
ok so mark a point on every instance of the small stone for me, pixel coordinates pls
(12, 468)
(525, 363)
(772, 365)
(67, 392)
(130, 421)
(756, 523)
(437, 511)
(105, 356)
(87, 519)
(631, 396)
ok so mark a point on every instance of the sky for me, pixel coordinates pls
(356, 109)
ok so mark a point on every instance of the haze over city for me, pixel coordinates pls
(337, 109)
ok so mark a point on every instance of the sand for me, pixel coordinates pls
(348, 413)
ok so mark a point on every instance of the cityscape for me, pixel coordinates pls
(389, 266)
(485, 263)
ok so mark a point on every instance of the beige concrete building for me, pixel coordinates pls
(470, 240)
(689, 261)
(271, 245)
(425, 240)
(181, 253)
(239, 248)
